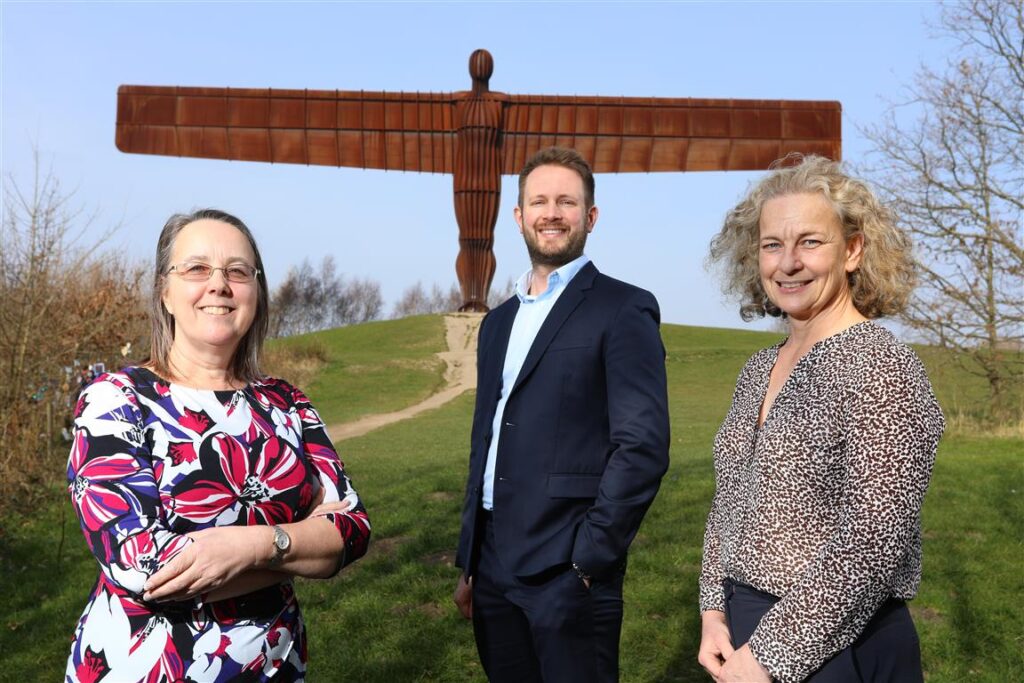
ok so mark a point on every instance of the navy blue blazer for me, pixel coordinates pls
(585, 434)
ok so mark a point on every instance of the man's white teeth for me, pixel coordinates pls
(216, 310)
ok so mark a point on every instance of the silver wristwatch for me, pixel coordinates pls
(282, 542)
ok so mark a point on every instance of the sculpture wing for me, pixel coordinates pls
(637, 134)
(384, 130)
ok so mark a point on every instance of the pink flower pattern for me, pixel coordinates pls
(93, 667)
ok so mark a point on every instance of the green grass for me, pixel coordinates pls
(969, 612)
(389, 617)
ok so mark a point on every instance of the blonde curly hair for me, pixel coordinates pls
(887, 274)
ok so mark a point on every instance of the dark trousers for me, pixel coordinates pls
(545, 629)
(887, 651)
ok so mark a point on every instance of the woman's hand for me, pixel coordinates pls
(216, 556)
(741, 667)
(327, 508)
(715, 642)
(320, 508)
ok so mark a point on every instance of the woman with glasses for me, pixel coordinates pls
(203, 487)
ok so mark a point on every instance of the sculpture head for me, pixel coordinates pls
(481, 66)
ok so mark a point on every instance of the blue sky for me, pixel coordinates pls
(62, 63)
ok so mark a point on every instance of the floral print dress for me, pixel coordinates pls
(152, 461)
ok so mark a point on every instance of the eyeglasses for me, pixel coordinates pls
(195, 271)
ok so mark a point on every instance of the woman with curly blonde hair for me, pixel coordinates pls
(813, 541)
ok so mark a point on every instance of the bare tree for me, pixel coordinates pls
(62, 307)
(416, 301)
(497, 295)
(950, 161)
(309, 300)
(366, 301)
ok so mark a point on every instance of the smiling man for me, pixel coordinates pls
(570, 441)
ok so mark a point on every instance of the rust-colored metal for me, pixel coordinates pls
(476, 135)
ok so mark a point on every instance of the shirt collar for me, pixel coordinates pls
(557, 281)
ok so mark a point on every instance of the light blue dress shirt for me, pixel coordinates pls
(533, 311)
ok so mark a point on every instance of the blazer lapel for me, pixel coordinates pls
(494, 357)
(573, 295)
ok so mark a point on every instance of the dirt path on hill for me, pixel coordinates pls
(459, 376)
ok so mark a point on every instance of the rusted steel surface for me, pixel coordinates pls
(478, 162)
(389, 131)
(476, 135)
(634, 134)
(417, 131)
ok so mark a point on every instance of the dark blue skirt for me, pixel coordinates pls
(887, 651)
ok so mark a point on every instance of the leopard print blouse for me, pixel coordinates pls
(821, 505)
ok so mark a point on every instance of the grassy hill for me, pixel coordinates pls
(389, 617)
(361, 370)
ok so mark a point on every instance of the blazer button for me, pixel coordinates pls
(510, 424)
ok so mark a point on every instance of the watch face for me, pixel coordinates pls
(281, 539)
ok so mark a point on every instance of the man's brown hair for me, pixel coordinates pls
(567, 158)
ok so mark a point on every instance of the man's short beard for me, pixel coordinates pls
(572, 251)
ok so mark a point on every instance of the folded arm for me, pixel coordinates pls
(334, 534)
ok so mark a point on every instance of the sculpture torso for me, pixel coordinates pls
(477, 182)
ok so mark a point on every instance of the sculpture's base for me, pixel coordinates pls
(473, 307)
